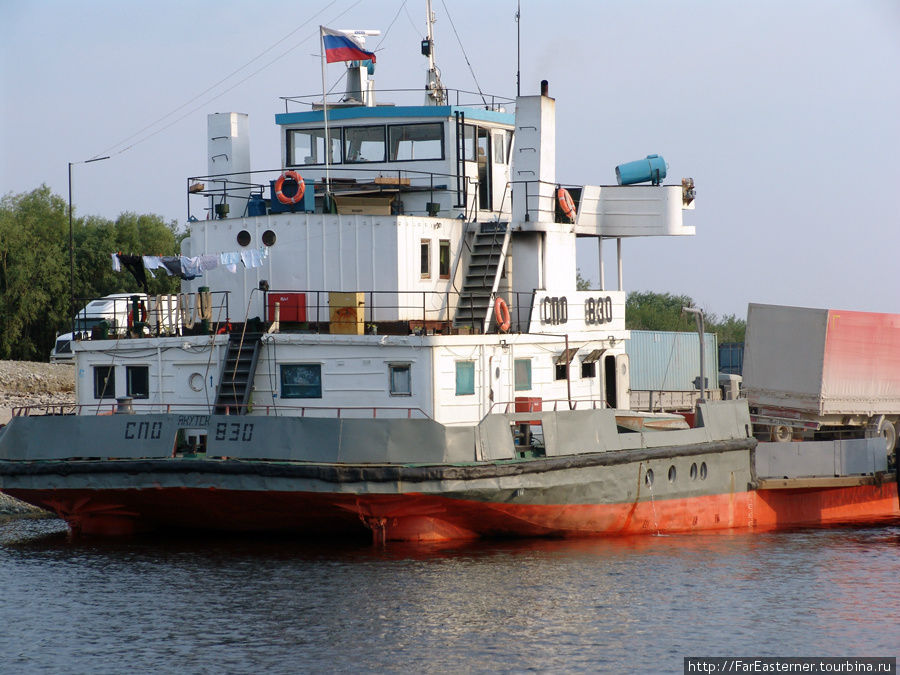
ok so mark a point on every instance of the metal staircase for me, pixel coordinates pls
(238, 369)
(475, 307)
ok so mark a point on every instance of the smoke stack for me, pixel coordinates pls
(545, 88)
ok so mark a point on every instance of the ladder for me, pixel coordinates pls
(238, 369)
(475, 307)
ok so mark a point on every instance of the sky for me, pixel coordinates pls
(786, 113)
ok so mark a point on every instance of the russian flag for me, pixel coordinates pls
(342, 47)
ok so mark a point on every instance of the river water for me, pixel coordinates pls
(250, 605)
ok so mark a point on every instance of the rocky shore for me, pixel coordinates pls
(24, 383)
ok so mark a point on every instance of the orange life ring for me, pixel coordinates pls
(501, 311)
(566, 203)
(301, 188)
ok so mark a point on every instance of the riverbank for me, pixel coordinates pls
(24, 383)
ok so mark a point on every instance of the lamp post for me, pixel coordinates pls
(698, 315)
(72, 241)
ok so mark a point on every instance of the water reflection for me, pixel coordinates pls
(282, 605)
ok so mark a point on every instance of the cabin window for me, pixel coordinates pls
(444, 258)
(364, 144)
(562, 363)
(500, 149)
(301, 380)
(465, 378)
(137, 381)
(307, 146)
(104, 382)
(469, 143)
(589, 363)
(400, 381)
(425, 258)
(522, 369)
(416, 141)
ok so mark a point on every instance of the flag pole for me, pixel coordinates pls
(327, 142)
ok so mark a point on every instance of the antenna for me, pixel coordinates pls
(518, 49)
(434, 90)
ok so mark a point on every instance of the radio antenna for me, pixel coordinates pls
(518, 49)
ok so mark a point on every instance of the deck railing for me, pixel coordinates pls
(459, 97)
(271, 410)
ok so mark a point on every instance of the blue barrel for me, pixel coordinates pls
(256, 206)
(652, 169)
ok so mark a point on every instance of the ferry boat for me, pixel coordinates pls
(384, 337)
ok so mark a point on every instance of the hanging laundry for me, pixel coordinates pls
(190, 268)
(172, 264)
(135, 265)
(116, 265)
(230, 260)
(208, 262)
(251, 258)
(151, 262)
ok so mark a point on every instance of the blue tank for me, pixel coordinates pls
(256, 206)
(652, 169)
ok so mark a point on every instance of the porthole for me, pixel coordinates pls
(268, 238)
(243, 238)
(195, 382)
(694, 471)
(703, 471)
(648, 477)
(672, 474)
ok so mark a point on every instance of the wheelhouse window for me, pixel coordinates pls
(465, 378)
(301, 380)
(307, 146)
(364, 144)
(400, 380)
(104, 382)
(137, 381)
(409, 142)
(522, 368)
(444, 258)
(425, 258)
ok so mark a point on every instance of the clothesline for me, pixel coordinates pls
(187, 267)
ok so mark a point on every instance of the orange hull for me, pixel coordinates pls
(420, 517)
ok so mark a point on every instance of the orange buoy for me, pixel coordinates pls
(502, 313)
(279, 184)
(566, 203)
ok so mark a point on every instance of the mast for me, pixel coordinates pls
(434, 90)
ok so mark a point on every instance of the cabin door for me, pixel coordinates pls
(483, 157)
(501, 197)
(609, 381)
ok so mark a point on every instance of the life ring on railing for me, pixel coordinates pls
(501, 311)
(566, 203)
(224, 328)
(279, 184)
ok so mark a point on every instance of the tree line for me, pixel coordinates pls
(646, 310)
(35, 274)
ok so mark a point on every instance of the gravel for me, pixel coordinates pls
(24, 383)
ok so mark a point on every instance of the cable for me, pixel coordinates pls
(465, 56)
(225, 91)
(393, 21)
